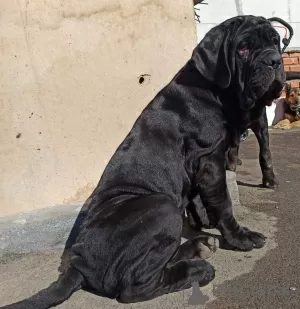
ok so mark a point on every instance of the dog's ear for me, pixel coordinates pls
(211, 55)
(287, 88)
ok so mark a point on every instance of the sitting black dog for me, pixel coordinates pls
(129, 246)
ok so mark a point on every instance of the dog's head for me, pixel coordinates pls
(292, 96)
(243, 53)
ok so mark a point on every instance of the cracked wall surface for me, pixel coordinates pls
(70, 88)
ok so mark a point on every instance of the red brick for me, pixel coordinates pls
(294, 54)
(287, 68)
(295, 68)
(287, 61)
(291, 60)
(285, 55)
(295, 83)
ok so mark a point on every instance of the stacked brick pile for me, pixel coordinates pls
(291, 60)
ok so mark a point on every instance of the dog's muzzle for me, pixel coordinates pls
(295, 107)
(272, 59)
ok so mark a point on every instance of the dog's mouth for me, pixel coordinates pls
(295, 106)
(276, 85)
(266, 95)
(273, 92)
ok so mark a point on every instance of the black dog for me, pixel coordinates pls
(260, 129)
(129, 246)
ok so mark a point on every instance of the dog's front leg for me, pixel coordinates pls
(232, 154)
(232, 158)
(260, 129)
(212, 187)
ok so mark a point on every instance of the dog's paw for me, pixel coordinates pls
(231, 165)
(270, 181)
(205, 246)
(245, 240)
(208, 276)
(282, 124)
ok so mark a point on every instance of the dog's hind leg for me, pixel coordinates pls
(260, 129)
(183, 273)
(175, 278)
(186, 267)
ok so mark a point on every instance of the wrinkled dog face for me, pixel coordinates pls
(260, 70)
(243, 54)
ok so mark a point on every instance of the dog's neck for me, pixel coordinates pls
(235, 116)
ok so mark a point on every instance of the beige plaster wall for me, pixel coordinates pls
(69, 90)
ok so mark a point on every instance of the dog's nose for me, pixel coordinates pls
(273, 61)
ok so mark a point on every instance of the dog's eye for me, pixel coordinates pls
(243, 50)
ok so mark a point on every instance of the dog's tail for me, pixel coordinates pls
(59, 291)
(292, 75)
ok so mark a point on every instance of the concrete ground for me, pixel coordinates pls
(265, 278)
(274, 281)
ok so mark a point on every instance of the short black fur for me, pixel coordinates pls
(174, 154)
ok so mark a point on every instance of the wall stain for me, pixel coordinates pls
(62, 13)
(81, 194)
(117, 8)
